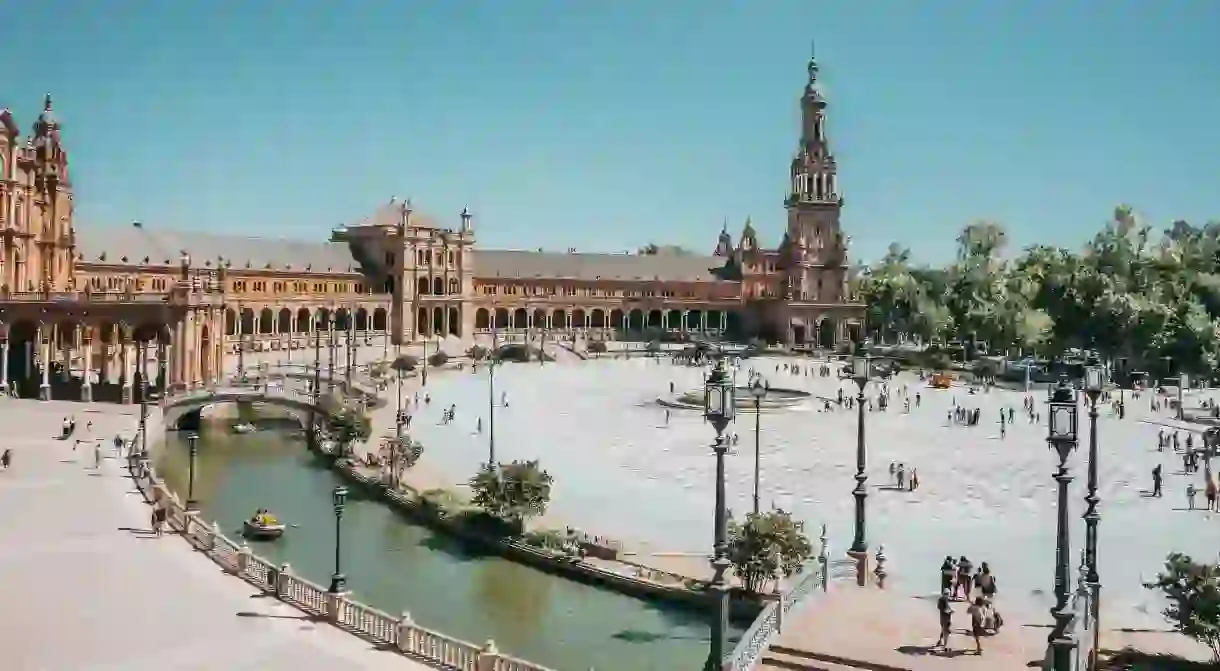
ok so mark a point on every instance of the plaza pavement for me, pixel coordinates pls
(83, 586)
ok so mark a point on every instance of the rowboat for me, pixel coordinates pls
(266, 529)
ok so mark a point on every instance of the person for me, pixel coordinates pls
(914, 479)
(1156, 481)
(945, 611)
(986, 581)
(158, 518)
(947, 570)
(6, 459)
(965, 577)
(976, 623)
(1190, 497)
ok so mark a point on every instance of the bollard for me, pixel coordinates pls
(280, 586)
(243, 559)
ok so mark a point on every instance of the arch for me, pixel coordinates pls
(519, 318)
(501, 321)
(304, 320)
(455, 322)
(598, 318)
(387, 287)
(694, 321)
(362, 319)
(379, 319)
(438, 321)
(247, 321)
(422, 286)
(266, 320)
(656, 319)
(438, 286)
(482, 319)
(559, 319)
(205, 354)
(617, 319)
(539, 318)
(455, 287)
(635, 320)
(230, 322)
(23, 346)
(854, 332)
(673, 319)
(733, 324)
(421, 322)
(578, 318)
(826, 333)
(713, 320)
(285, 321)
(343, 319)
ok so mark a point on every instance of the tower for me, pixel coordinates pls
(815, 253)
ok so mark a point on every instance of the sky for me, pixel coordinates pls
(604, 125)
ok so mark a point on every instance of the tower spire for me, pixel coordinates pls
(814, 178)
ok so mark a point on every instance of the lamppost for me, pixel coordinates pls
(491, 403)
(1062, 437)
(193, 441)
(424, 378)
(758, 391)
(330, 353)
(317, 384)
(143, 421)
(1094, 380)
(719, 407)
(336, 579)
(349, 350)
(860, 369)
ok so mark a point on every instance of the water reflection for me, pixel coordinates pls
(397, 566)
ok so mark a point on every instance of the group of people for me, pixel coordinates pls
(899, 479)
(959, 582)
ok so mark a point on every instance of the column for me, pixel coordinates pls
(703, 321)
(179, 362)
(66, 341)
(86, 385)
(4, 365)
(194, 334)
(292, 334)
(126, 365)
(162, 364)
(44, 389)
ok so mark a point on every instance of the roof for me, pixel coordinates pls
(163, 246)
(492, 263)
(390, 214)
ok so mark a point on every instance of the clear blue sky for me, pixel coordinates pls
(605, 125)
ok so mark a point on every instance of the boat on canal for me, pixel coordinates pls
(263, 526)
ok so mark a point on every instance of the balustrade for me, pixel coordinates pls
(401, 633)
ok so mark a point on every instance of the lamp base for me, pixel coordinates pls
(860, 557)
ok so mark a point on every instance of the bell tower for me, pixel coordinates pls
(816, 254)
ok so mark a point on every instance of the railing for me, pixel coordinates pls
(399, 633)
(757, 638)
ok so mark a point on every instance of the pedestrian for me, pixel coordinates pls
(158, 518)
(945, 610)
(1190, 497)
(986, 581)
(976, 623)
(914, 479)
(97, 454)
(948, 569)
(6, 459)
(1156, 481)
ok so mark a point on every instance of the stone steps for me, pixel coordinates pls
(792, 659)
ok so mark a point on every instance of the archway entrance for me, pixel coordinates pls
(826, 333)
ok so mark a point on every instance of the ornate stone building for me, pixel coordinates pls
(93, 312)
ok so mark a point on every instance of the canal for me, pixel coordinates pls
(396, 566)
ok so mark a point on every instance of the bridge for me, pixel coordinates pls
(174, 408)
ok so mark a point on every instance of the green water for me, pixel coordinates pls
(396, 566)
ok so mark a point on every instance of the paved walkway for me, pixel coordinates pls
(896, 631)
(84, 588)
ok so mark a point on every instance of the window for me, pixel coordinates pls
(390, 259)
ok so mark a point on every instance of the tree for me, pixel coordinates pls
(1193, 591)
(348, 424)
(404, 364)
(768, 544)
(402, 451)
(652, 249)
(512, 492)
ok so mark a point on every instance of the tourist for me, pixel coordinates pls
(1156, 481)
(97, 454)
(914, 479)
(902, 476)
(965, 578)
(893, 472)
(985, 581)
(976, 612)
(948, 569)
(1210, 492)
(945, 610)
(1190, 497)
(158, 518)
(6, 458)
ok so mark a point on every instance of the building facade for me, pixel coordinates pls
(95, 312)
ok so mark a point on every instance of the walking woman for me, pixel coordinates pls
(158, 518)
(976, 623)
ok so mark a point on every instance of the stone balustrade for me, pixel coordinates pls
(400, 633)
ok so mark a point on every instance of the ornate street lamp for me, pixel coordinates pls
(491, 402)
(143, 421)
(330, 352)
(193, 441)
(719, 407)
(759, 392)
(1094, 382)
(1062, 437)
(337, 580)
(861, 367)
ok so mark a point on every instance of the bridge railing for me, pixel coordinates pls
(398, 633)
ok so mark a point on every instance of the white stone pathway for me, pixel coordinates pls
(83, 588)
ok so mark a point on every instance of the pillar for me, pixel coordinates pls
(4, 345)
(127, 366)
(86, 385)
(44, 389)
(66, 341)
(162, 363)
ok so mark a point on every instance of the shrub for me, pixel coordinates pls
(438, 359)
(1193, 592)
(766, 544)
(512, 492)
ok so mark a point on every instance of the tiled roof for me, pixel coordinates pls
(390, 214)
(163, 246)
(493, 263)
